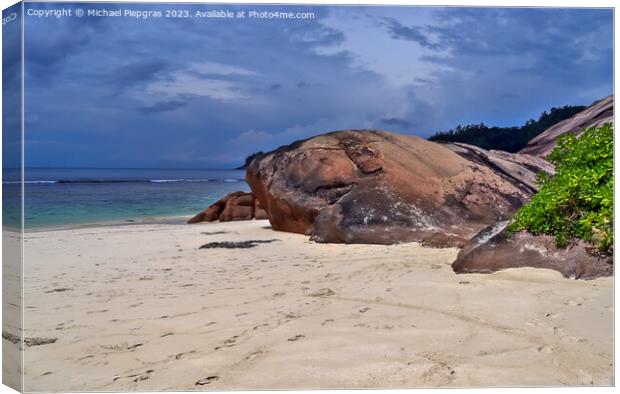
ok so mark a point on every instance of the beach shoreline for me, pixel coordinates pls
(175, 220)
(143, 307)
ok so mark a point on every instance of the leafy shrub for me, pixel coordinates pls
(578, 201)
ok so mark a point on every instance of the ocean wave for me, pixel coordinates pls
(185, 180)
(195, 180)
(91, 181)
(18, 182)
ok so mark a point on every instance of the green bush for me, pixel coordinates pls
(578, 201)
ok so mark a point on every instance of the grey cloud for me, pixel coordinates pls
(163, 106)
(47, 47)
(409, 33)
(137, 72)
(396, 122)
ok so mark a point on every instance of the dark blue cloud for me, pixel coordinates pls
(396, 122)
(409, 33)
(163, 107)
(138, 72)
(51, 42)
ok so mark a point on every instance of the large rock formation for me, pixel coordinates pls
(495, 248)
(599, 113)
(234, 206)
(369, 186)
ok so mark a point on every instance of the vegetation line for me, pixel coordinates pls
(509, 139)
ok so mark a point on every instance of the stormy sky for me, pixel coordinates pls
(206, 92)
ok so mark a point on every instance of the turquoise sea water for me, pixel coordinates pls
(57, 198)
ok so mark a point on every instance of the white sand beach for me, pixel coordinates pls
(141, 307)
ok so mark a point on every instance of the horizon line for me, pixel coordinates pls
(119, 168)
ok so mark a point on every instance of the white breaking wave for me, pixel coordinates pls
(18, 182)
(124, 181)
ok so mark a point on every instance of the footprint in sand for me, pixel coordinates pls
(179, 356)
(260, 326)
(59, 290)
(576, 302)
(564, 337)
(121, 347)
(230, 342)
(296, 338)
(207, 380)
(253, 355)
(325, 292)
(546, 349)
(36, 341)
(440, 371)
(137, 377)
(99, 311)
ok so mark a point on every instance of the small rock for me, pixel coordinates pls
(234, 206)
(237, 245)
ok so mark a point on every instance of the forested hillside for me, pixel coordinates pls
(510, 139)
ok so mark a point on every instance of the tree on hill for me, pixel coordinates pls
(509, 139)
